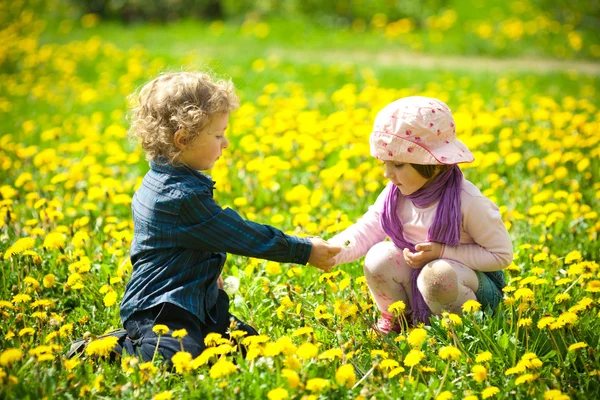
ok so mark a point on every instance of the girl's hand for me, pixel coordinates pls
(220, 283)
(425, 253)
(322, 254)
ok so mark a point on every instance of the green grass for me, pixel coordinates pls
(321, 109)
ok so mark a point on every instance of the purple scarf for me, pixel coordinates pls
(445, 228)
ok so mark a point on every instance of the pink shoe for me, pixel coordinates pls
(386, 324)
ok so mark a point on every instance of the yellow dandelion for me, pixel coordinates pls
(21, 298)
(49, 280)
(182, 361)
(160, 329)
(222, 368)
(10, 356)
(345, 375)
(101, 347)
(397, 371)
(71, 364)
(484, 356)
(317, 385)
(471, 306)
(397, 308)
(26, 331)
(479, 373)
(278, 394)
(525, 378)
(179, 333)
(578, 345)
(445, 395)
(524, 322)
(417, 337)
(449, 352)
(166, 395)
(307, 330)
(110, 299)
(331, 354)
(321, 312)
(413, 358)
(292, 377)
(489, 391)
(545, 321)
(574, 255)
(307, 351)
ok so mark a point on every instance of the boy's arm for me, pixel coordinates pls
(358, 238)
(204, 225)
(493, 249)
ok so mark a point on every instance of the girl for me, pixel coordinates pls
(448, 242)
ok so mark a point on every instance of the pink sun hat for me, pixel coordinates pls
(417, 130)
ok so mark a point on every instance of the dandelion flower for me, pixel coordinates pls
(445, 395)
(101, 347)
(71, 363)
(182, 361)
(10, 356)
(397, 308)
(307, 351)
(524, 322)
(306, 330)
(179, 333)
(222, 368)
(525, 378)
(166, 395)
(449, 352)
(417, 337)
(278, 394)
(479, 373)
(49, 280)
(26, 331)
(317, 385)
(331, 354)
(160, 329)
(413, 358)
(484, 356)
(110, 299)
(489, 391)
(578, 345)
(292, 377)
(345, 375)
(471, 306)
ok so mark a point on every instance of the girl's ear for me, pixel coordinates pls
(179, 139)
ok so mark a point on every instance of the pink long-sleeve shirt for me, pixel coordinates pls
(485, 244)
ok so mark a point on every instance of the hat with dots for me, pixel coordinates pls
(417, 130)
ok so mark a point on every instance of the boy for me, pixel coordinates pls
(181, 236)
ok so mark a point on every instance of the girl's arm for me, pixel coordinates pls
(357, 239)
(492, 250)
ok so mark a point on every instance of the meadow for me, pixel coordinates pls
(299, 160)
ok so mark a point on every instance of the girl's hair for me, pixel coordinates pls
(177, 101)
(428, 171)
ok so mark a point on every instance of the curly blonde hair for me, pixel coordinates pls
(177, 101)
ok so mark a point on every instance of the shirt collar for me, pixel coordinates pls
(161, 165)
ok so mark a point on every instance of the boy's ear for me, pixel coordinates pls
(179, 139)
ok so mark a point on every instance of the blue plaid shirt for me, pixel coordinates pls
(181, 237)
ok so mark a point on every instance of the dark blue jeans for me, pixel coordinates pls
(141, 340)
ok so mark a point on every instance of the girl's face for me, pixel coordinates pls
(205, 149)
(404, 176)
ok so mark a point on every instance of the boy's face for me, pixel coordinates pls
(204, 150)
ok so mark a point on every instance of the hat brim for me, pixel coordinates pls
(385, 146)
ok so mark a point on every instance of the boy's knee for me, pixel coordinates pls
(380, 258)
(438, 282)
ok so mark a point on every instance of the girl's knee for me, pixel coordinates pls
(381, 257)
(438, 282)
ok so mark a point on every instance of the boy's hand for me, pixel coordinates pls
(220, 283)
(424, 253)
(322, 253)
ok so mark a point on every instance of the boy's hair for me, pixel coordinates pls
(176, 101)
(428, 171)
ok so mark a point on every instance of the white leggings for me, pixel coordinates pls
(445, 284)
